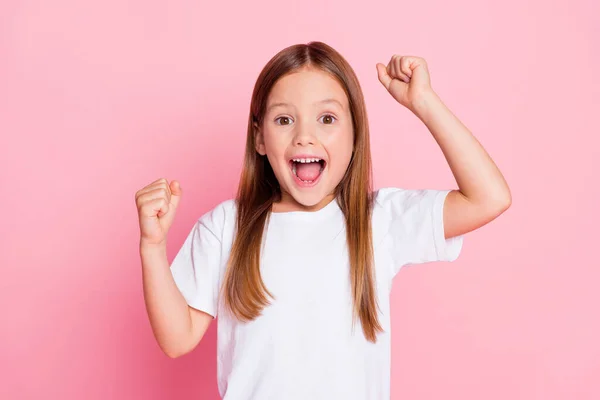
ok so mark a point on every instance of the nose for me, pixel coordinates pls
(304, 137)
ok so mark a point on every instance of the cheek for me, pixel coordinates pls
(275, 147)
(340, 145)
(274, 142)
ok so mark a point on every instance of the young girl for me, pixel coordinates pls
(299, 266)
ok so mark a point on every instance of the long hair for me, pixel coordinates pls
(244, 292)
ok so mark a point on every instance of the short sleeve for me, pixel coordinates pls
(197, 267)
(415, 219)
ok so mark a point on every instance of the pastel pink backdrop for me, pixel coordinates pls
(99, 99)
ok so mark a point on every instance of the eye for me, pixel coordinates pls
(328, 117)
(286, 119)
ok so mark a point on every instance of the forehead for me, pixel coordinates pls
(307, 87)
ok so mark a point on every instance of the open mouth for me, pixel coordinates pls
(306, 169)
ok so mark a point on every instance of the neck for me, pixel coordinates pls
(289, 204)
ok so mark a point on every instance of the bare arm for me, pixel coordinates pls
(177, 327)
(483, 193)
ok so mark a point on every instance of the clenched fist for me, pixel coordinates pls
(406, 78)
(156, 205)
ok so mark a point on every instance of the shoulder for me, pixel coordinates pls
(401, 200)
(395, 200)
(411, 222)
(220, 219)
(408, 206)
(225, 208)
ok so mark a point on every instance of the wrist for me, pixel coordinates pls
(422, 104)
(152, 248)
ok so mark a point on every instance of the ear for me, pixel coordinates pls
(259, 140)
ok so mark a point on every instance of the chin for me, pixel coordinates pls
(308, 199)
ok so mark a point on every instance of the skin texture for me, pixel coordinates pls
(301, 121)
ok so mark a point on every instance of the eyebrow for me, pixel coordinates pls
(331, 100)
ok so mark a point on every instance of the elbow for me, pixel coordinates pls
(501, 204)
(494, 206)
(506, 201)
(174, 351)
(499, 200)
(173, 354)
(504, 204)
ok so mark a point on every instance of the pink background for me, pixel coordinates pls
(98, 99)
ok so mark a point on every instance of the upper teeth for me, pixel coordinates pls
(306, 160)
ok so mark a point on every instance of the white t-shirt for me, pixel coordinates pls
(303, 346)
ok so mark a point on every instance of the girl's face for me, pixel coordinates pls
(307, 136)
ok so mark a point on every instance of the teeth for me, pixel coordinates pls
(306, 160)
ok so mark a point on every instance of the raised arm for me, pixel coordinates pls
(483, 193)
